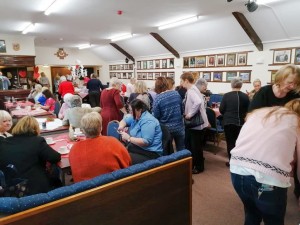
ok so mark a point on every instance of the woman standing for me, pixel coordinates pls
(194, 136)
(111, 103)
(260, 164)
(167, 108)
(234, 106)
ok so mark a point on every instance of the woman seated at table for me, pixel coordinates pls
(97, 154)
(66, 105)
(50, 101)
(5, 123)
(145, 136)
(36, 93)
(29, 153)
(76, 112)
(42, 99)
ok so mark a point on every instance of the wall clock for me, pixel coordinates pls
(61, 53)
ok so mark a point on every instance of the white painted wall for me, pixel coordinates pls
(26, 44)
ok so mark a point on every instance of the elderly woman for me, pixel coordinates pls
(194, 137)
(65, 86)
(141, 92)
(36, 93)
(144, 138)
(111, 103)
(261, 165)
(257, 85)
(167, 108)
(234, 106)
(66, 105)
(201, 84)
(5, 123)
(97, 154)
(29, 153)
(74, 114)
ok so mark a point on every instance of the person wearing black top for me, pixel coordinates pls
(234, 106)
(94, 85)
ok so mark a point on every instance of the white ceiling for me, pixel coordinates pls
(79, 22)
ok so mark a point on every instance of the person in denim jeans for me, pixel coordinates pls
(262, 161)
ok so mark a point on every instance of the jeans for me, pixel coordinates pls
(260, 204)
(178, 137)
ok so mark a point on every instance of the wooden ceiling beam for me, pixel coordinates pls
(249, 30)
(122, 51)
(165, 44)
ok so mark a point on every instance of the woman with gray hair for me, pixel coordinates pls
(201, 84)
(66, 105)
(97, 154)
(111, 103)
(74, 114)
(234, 107)
(5, 123)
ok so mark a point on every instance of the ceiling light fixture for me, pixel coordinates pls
(50, 9)
(84, 46)
(121, 37)
(179, 23)
(251, 5)
(29, 28)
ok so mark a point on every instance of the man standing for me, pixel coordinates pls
(95, 86)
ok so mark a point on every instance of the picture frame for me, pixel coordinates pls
(2, 46)
(246, 76)
(242, 59)
(164, 74)
(211, 60)
(150, 64)
(171, 63)
(150, 76)
(129, 75)
(220, 61)
(273, 73)
(156, 75)
(138, 65)
(192, 62)
(200, 61)
(282, 56)
(230, 60)
(144, 76)
(206, 76)
(171, 75)
(144, 65)
(139, 76)
(157, 64)
(297, 56)
(230, 75)
(217, 76)
(124, 76)
(186, 62)
(164, 64)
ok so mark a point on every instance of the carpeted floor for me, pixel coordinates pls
(214, 199)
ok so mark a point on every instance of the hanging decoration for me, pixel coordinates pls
(22, 73)
(78, 70)
(36, 74)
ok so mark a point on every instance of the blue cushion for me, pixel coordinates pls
(137, 168)
(83, 186)
(103, 179)
(119, 174)
(31, 201)
(61, 192)
(149, 164)
(9, 205)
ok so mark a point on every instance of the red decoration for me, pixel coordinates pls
(22, 73)
(77, 66)
(36, 74)
(120, 12)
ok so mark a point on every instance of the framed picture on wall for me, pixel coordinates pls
(245, 75)
(139, 76)
(144, 65)
(138, 65)
(297, 56)
(164, 64)
(242, 59)
(273, 72)
(282, 56)
(192, 61)
(157, 64)
(150, 64)
(129, 75)
(164, 74)
(2, 46)
(150, 76)
(230, 60)
(217, 76)
(200, 61)
(206, 76)
(220, 60)
(211, 60)
(124, 75)
(171, 63)
(171, 75)
(156, 75)
(230, 75)
(186, 61)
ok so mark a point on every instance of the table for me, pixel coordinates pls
(10, 105)
(19, 113)
(52, 127)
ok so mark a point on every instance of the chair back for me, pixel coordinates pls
(112, 129)
(56, 108)
(215, 98)
(166, 140)
(211, 116)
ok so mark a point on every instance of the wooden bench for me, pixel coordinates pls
(152, 193)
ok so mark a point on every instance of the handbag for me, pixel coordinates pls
(194, 121)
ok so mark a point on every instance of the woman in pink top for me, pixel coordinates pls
(261, 162)
(50, 101)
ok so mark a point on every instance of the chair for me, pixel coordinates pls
(216, 130)
(215, 98)
(112, 129)
(56, 108)
(166, 140)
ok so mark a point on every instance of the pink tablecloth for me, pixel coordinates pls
(82, 94)
(22, 104)
(25, 112)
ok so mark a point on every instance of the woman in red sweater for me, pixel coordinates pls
(97, 154)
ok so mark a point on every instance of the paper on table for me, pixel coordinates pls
(51, 125)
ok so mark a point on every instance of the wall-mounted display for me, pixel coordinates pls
(192, 62)
(246, 76)
(242, 59)
(171, 63)
(230, 75)
(121, 67)
(164, 64)
(186, 61)
(230, 61)
(167, 63)
(217, 76)
(2, 46)
(200, 61)
(297, 56)
(282, 56)
(123, 75)
(220, 60)
(157, 64)
(206, 76)
(273, 73)
(211, 59)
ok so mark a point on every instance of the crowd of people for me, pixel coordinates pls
(261, 131)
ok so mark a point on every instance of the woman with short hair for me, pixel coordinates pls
(141, 92)
(144, 138)
(36, 93)
(5, 123)
(234, 107)
(29, 153)
(97, 154)
(66, 105)
(50, 101)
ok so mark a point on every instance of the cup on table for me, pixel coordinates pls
(49, 140)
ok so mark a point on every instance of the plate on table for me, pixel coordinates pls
(63, 150)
